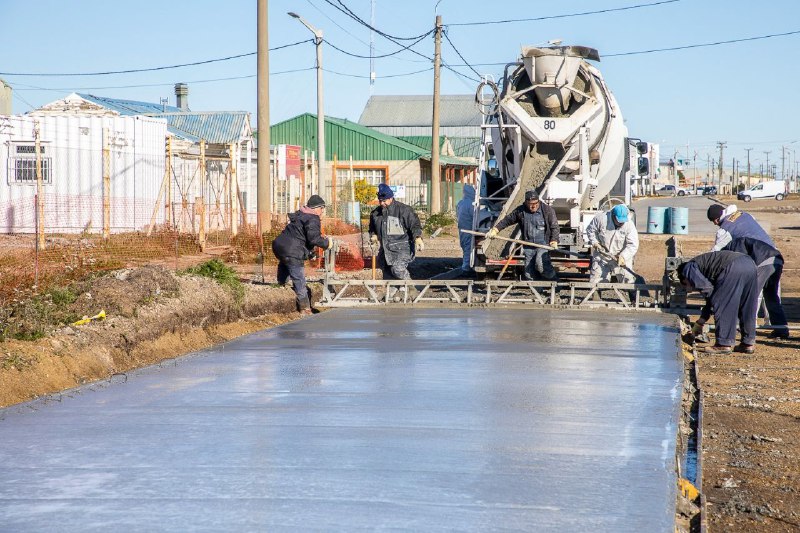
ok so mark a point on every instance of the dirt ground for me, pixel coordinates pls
(751, 420)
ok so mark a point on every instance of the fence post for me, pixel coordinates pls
(333, 186)
(168, 180)
(106, 186)
(39, 189)
(234, 192)
(201, 201)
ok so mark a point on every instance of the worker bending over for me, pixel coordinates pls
(295, 244)
(769, 267)
(614, 241)
(394, 228)
(728, 282)
(539, 225)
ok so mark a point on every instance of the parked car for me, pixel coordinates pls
(766, 189)
(709, 189)
(670, 190)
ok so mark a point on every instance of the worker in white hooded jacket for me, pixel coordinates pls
(465, 211)
(614, 241)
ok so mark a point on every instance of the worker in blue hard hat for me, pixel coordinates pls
(614, 241)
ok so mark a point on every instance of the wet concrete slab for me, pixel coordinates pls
(425, 419)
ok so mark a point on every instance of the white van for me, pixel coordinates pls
(766, 189)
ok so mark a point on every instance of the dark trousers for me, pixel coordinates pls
(769, 281)
(735, 298)
(538, 265)
(295, 270)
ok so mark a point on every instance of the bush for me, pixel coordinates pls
(438, 220)
(222, 274)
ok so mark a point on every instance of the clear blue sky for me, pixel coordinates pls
(744, 93)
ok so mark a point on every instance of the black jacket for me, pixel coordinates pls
(397, 227)
(759, 251)
(518, 216)
(299, 237)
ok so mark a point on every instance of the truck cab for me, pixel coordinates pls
(766, 189)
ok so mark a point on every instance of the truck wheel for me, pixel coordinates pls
(681, 193)
(779, 197)
(746, 198)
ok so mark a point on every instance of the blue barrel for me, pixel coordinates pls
(656, 219)
(678, 220)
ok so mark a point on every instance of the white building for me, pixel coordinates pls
(73, 172)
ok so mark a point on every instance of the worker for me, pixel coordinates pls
(465, 212)
(734, 224)
(728, 280)
(539, 225)
(614, 241)
(394, 228)
(769, 267)
(295, 244)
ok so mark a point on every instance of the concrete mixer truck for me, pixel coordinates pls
(551, 124)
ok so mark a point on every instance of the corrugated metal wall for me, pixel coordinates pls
(339, 140)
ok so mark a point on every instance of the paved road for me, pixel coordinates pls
(368, 419)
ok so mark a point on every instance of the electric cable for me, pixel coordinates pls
(403, 49)
(342, 7)
(566, 15)
(702, 45)
(459, 54)
(152, 69)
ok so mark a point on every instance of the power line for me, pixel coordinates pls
(36, 88)
(716, 43)
(459, 54)
(379, 77)
(347, 11)
(131, 71)
(403, 49)
(566, 15)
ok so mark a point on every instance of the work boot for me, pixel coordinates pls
(779, 333)
(717, 349)
(745, 348)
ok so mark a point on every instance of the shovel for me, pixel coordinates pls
(526, 243)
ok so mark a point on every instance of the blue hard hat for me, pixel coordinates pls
(620, 213)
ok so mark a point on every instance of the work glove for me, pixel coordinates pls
(697, 328)
(621, 261)
(553, 244)
(492, 233)
(373, 240)
(420, 244)
(330, 244)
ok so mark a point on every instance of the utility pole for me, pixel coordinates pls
(721, 145)
(783, 162)
(695, 171)
(749, 179)
(767, 165)
(675, 171)
(436, 201)
(263, 175)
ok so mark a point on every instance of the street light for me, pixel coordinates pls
(320, 113)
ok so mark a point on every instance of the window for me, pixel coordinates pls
(373, 176)
(22, 164)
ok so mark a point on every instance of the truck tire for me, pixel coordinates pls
(746, 198)
(681, 193)
(779, 197)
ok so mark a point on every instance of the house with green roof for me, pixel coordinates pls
(376, 157)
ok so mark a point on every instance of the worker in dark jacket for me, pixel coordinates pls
(728, 281)
(395, 229)
(769, 267)
(295, 244)
(540, 226)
